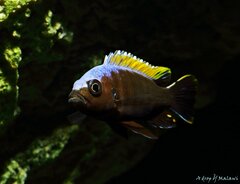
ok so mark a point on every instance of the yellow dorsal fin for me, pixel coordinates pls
(124, 59)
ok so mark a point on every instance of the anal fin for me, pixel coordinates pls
(139, 129)
(166, 120)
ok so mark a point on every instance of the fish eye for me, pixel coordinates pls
(95, 87)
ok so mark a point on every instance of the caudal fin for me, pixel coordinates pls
(184, 92)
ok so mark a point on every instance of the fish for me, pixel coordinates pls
(130, 94)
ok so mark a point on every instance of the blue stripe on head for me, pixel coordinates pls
(95, 73)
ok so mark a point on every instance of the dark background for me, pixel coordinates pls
(197, 37)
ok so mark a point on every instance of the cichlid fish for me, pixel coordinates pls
(129, 92)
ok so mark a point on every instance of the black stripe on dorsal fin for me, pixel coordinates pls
(164, 80)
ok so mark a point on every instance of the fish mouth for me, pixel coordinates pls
(76, 98)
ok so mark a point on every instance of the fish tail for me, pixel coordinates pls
(184, 92)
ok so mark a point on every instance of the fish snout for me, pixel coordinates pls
(76, 98)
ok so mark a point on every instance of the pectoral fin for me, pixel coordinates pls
(139, 129)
